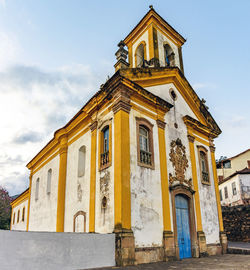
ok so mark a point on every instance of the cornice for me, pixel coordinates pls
(196, 125)
(22, 197)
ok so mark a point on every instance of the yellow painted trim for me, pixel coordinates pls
(169, 37)
(165, 77)
(142, 102)
(100, 145)
(28, 210)
(46, 161)
(74, 127)
(130, 55)
(196, 188)
(78, 136)
(24, 196)
(199, 139)
(140, 35)
(122, 170)
(153, 17)
(143, 111)
(61, 185)
(92, 181)
(217, 194)
(164, 181)
(150, 42)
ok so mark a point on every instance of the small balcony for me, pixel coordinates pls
(205, 177)
(145, 157)
(104, 158)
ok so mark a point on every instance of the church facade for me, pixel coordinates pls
(138, 160)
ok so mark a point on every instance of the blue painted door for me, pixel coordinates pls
(183, 229)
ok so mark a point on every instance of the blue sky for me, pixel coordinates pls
(55, 54)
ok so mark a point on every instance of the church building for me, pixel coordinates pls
(137, 160)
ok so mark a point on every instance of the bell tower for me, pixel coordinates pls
(152, 43)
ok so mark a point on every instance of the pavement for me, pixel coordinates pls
(238, 248)
(227, 261)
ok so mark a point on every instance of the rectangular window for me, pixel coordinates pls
(105, 147)
(234, 188)
(227, 164)
(226, 192)
(204, 170)
(145, 149)
(221, 195)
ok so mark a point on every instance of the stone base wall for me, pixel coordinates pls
(128, 254)
(236, 220)
(149, 255)
(213, 249)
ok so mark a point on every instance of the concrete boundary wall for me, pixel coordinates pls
(48, 250)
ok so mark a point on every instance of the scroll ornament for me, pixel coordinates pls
(180, 163)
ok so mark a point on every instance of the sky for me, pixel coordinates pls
(54, 55)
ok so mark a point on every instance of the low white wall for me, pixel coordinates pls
(47, 250)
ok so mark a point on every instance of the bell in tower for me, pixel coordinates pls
(152, 43)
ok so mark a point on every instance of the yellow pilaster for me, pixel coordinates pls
(28, 210)
(164, 177)
(92, 177)
(195, 183)
(130, 55)
(151, 42)
(122, 168)
(61, 185)
(216, 186)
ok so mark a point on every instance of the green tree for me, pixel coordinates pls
(5, 209)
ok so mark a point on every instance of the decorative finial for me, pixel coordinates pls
(151, 7)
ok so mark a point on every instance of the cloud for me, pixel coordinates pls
(30, 136)
(33, 104)
(9, 47)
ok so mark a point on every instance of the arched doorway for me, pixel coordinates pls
(183, 226)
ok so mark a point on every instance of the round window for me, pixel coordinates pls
(172, 94)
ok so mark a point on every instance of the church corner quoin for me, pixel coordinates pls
(137, 159)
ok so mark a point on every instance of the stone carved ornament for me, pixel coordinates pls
(104, 188)
(180, 163)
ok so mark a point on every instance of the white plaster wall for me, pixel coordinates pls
(245, 185)
(146, 199)
(21, 225)
(162, 40)
(175, 115)
(144, 37)
(180, 108)
(172, 133)
(208, 205)
(104, 219)
(232, 199)
(77, 188)
(43, 211)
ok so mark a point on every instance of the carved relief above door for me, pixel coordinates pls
(180, 164)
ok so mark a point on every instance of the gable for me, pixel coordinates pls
(153, 77)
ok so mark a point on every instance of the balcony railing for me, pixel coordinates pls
(145, 157)
(205, 177)
(104, 158)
